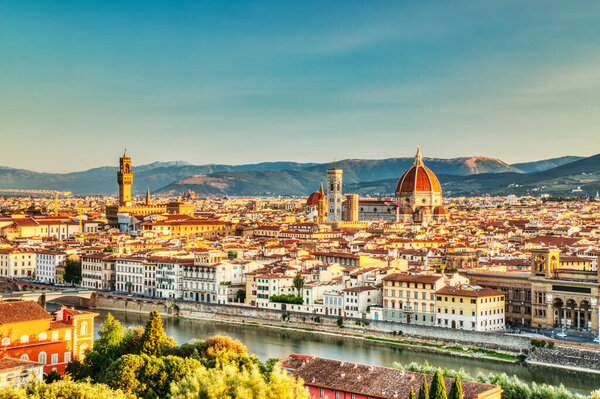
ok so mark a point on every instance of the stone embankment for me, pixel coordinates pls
(567, 356)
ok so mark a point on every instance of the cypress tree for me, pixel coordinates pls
(438, 388)
(456, 390)
(411, 395)
(424, 392)
(153, 339)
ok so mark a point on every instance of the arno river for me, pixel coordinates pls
(267, 343)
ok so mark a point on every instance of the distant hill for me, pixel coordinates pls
(307, 180)
(545, 164)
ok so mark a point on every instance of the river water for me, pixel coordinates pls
(267, 343)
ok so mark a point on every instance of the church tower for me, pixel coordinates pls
(334, 194)
(125, 178)
(321, 206)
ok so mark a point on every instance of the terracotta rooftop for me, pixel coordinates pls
(368, 380)
(19, 311)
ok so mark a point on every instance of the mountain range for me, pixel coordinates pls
(458, 176)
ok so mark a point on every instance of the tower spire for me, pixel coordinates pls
(148, 196)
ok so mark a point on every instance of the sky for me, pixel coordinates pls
(251, 81)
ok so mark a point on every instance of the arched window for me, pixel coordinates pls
(24, 339)
(42, 337)
(42, 357)
(5, 341)
(24, 357)
(84, 326)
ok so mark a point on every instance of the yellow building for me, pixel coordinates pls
(471, 308)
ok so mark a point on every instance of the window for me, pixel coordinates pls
(67, 357)
(42, 357)
(322, 394)
(67, 334)
(24, 339)
(5, 341)
(54, 336)
(24, 357)
(84, 326)
(54, 358)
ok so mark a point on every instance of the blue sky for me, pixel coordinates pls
(252, 81)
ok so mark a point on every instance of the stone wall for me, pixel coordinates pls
(567, 355)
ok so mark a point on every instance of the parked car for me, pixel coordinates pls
(597, 340)
(561, 335)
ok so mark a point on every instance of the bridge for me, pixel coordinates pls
(42, 297)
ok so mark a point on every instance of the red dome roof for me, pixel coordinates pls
(418, 178)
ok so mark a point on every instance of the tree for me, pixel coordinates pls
(456, 389)
(149, 376)
(438, 388)
(232, 383)
(72, 271)
(298, 283)
(240, 296)
(411, 395)
(424, 392)
(111, 334)
(154, 339)
(131, 340)
(109, 248)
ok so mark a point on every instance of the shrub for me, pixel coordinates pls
(286, 298)
(340, 322)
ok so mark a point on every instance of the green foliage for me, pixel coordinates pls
(534, 343)
(286, 298)
(64, 389)
(149, 376)
(154, 340)
(109, 248)
(424, 391)
(316, 319)
(230, 382)
(411, 395)
(298, 283)
(438, 388)
(550, 345)
(285, 316)
(456, 389)
(51, 377)
(72, 271)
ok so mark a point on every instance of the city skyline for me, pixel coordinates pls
(242, 83)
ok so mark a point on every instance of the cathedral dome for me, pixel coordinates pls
(418, 178)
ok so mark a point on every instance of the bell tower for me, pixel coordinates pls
(125, 178)
(334, 194)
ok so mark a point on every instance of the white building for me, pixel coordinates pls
(333, 303)
(130, 275)
(358, 299)
(16, 263)
(98, 271)
(169, 277)
(45, 265)
(334, 194)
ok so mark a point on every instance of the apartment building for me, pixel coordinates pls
(471, 308)
(130, 275)
(98, 271)
(410, 298)
(46, 262)
(17, 263)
